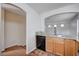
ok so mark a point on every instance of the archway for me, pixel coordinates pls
(14, 26)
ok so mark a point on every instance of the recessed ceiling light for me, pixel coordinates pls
(49, 26)
(62, 25)
(55, 25)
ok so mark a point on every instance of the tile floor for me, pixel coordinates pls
(38, 52)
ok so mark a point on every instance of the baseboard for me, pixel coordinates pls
(2, 50)
(27, 52)
(12, 46)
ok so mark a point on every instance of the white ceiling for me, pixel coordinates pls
(44, 7)
(62, 17)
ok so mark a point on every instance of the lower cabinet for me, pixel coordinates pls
(59, 46)
(49, 45)
(70, 47)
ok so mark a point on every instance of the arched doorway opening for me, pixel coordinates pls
(14, 28)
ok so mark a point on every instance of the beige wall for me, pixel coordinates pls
(1, 33)
(2, 29)
(14, 29)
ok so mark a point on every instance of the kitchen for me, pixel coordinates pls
(60, 37)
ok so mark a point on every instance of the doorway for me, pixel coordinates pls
(14, 27)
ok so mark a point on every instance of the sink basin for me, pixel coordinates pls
(59, 35)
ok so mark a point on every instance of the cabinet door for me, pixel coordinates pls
(53, 45)
(49, 44)
(59, 46)
(70, 47)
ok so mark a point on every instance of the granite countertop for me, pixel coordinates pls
(72, 37)
(63, 37)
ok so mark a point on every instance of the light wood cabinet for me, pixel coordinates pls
(59, 46)
(49, 44)
(70, 47)
(55, 45)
